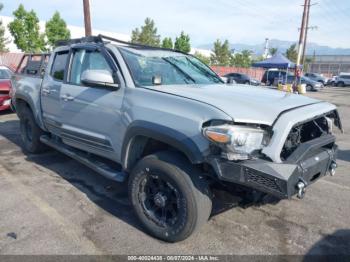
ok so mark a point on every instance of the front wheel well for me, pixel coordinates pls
(141, 146)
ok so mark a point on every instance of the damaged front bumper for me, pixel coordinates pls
(309, 162)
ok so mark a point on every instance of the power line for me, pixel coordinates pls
(334, 12)
(269, 15)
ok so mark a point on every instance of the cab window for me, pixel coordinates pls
(86, 60)
(59, 66)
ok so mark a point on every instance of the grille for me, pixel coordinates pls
(302, 133)
(256, 177)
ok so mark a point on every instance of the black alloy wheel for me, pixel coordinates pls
(160, 200)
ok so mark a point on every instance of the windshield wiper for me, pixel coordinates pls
(203, 70)
(187, 76)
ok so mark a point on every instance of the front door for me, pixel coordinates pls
(90, 115)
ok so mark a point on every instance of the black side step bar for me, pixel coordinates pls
(90, 161)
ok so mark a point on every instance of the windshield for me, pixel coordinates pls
(172, 68)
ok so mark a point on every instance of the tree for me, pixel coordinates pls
(292, 53)
(222, 54)
(203, 58)
(273, 50)
(3, 39)
(182, 43)
(56, 29)
(258, 59)
(26, 31)
(167, 43)
(308, 61)
(146, 35)
(242, 59)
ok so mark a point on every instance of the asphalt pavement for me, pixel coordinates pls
(51, 204)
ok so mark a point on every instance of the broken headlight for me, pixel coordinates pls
(237, 142)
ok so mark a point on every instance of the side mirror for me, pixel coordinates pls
(98, 78)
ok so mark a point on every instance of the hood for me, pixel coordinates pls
(246, 104)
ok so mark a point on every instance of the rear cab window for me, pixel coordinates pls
(33, 64)
(59, 65)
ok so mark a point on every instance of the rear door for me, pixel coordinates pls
(90, 115)
(50, 91)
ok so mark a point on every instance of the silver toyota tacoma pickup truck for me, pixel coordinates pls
(166, 123)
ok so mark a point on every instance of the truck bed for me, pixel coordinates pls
(27, 80)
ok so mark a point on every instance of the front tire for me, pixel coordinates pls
(309, 88)
(31, 133)
(169, 196)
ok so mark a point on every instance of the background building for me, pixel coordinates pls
(330, 65)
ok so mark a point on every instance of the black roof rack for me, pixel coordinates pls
(87, 39)
(100, 39)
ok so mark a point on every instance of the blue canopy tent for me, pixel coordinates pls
(278, 61)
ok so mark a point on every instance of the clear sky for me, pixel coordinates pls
(239, 21)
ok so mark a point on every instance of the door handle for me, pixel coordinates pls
(46, 91)
(67, 97)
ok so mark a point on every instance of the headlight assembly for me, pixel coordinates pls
(237, 142)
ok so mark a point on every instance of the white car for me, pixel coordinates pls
(343, 80)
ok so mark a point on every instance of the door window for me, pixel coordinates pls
(87, 60)
(59, 66)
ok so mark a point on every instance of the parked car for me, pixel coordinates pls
(311, 85)
(317, 77)
(272, 76)
(240, 78)
(166, 123)
(342, 80)
(5, 88)
(331, 81)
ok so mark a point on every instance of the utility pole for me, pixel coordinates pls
(305, 36)
(306, 32)
(301, 42)
(303, 30)
(87, 18)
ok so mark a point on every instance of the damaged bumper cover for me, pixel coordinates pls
(310, 161)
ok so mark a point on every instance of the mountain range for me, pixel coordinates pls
(282, 46)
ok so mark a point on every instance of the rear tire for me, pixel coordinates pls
(31, 133)
(308, 88)
(169, 196)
